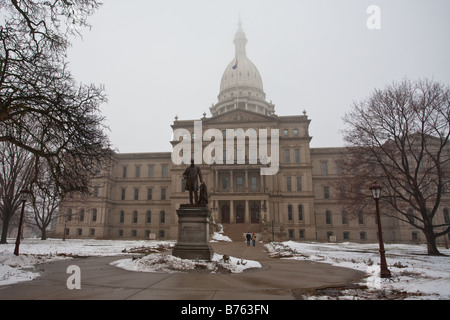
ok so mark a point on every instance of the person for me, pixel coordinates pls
(248, 237)
(192, 174)
(253, 238)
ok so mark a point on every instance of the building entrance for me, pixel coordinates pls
(225, 214)
(240, 213)
(254, 213)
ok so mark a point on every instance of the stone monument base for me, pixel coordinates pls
(193, 233)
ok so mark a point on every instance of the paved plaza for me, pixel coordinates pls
(278, 279)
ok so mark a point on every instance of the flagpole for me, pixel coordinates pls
(237, 87)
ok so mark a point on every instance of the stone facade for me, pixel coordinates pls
(138, 195)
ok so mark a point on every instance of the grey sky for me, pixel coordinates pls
(158, 59)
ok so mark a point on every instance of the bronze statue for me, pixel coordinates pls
(192, 174)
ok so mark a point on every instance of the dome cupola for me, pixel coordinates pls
(241, 85)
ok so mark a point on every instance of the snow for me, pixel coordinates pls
(219, 237)
(171, 264)
(415, 275)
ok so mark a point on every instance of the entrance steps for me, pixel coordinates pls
(237, 231)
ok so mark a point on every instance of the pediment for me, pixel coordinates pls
(240, 116)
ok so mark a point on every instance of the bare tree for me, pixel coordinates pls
(39, 97)
(399, 137)
(45, 202)
(15, 174)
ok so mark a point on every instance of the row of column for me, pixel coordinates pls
(218, 205)
(261, 181)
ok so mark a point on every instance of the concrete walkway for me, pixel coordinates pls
(277, 280)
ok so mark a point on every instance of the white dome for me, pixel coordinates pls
(245, 75)
(241, 85)
(241, 72)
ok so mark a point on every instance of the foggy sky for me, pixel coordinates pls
(159, 59)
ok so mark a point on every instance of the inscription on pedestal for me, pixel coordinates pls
(193, 233)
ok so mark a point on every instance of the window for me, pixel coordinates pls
(362, 235)
(360, 217)
(95, 192)
(121, 216)
(122, 196)
(120, 233)
(297, 155)
(328, 217)
(161, 234)
(69, 214)
(135, 216)
(300, 212)
(92, 232)
(409, 215)
(291, 233)
(163, 193)
(254, 183)
(344, 217)
(239, 183)
(136, 194)
(287, 158)
(79, 231)
(138, 171)
(150, 171)
(162, 217)
(94, 215)
(124, 172)
(82, 215)
(295, 132)
(164, 171)
(288, 184)
(446, 216)
(324, 167)
(290, 215)
(225, 183)
(299, 183)
(285, 132)
(148, 216)
(346, 235)
(414, 236)
(301, 233)
(149, 193)
(134, 233)
(326, 192)
(329, 235)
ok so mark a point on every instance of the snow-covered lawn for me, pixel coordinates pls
(414, 274)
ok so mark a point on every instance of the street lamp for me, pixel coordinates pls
(24, 194)
(384, 271)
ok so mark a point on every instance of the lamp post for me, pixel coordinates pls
(23, 197)
(384, 271)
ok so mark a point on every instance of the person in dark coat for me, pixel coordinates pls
(248, 237)
(192, 174)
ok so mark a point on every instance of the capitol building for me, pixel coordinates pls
(137, 196)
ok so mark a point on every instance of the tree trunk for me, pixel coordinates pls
(43, 234)
(4, 232)
(431, 241)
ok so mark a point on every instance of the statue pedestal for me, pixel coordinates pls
(193, 233)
